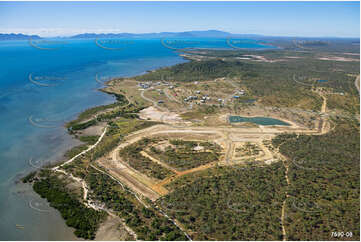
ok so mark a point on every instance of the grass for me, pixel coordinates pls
(182, 155)
(131, 154)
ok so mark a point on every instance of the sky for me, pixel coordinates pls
(304, 19)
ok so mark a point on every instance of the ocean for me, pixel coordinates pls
(45, 83)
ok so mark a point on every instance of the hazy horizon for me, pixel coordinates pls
(119, 32)
(283, 19)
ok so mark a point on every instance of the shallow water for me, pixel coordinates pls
(42, 86)
(32, 117)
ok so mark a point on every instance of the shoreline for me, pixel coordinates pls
(103, 90)
(62, 159)
(109, 117)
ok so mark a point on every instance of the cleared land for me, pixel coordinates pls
(177, 166)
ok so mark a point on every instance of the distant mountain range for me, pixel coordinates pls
(18, 37)
(187, 34)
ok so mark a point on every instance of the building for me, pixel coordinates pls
(144, 85)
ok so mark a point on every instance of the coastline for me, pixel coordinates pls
(103, 90)
(77, 142)
(94, 117)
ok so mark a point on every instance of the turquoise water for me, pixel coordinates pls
(257, 120)
(69, 74)
(50, 83)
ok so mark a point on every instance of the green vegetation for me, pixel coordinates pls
(29, 177)
(148, 223)
(90, 140)
(187, 154)
(116, 131)
(230, 203)
(87, 114)
(75, 150)
(131, 154)
(200, 112)
(324, 173)
(121, 99)
(347, 103)
(236, 202)
(270, 83)
(128, 111)
(195, 71)
(124, 126)
(85, 220)
(81, 126)
(313, 43)
(248, 149)
(105, 113)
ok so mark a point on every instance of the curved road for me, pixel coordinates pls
(150, 100)
(357, 84)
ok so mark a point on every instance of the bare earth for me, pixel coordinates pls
(338, 58)
(214, 128)
(112, 230)
(154, 114)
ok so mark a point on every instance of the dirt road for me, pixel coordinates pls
(170, 97)
(357, 84)
(83, 152)
(284, 204)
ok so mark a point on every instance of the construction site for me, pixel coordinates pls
(176, 125)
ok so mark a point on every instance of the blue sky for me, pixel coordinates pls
(319, 19)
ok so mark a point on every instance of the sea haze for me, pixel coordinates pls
(43, 84)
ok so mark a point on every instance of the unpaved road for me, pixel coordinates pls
(143, 153)
(357, 84)
(152, 188)
(284, 234)
(170, 97)
(83, 152)
(226, 136)
(155, 104)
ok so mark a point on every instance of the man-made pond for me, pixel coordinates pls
(257, 120)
